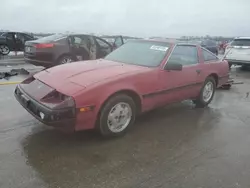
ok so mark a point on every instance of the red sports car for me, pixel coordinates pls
(108, 93)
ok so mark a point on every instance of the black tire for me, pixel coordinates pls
(200, 102)
(102, 123)
(4, 49)
(61, 60)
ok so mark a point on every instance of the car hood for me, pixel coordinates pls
(86, 73)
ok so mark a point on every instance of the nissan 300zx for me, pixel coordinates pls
(108, 94)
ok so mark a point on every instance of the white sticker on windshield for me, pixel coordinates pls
(160, 48)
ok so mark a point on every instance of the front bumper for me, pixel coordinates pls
(61, 119)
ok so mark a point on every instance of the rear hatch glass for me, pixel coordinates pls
(241, 42)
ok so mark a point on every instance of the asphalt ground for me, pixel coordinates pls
(178, 146)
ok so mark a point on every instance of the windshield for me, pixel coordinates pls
(51, 38)
(144, 53)
(241, 42)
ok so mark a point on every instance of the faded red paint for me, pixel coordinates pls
(92, 83)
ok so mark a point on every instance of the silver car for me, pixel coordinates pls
(238, 52)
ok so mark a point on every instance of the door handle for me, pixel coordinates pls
(198, 71)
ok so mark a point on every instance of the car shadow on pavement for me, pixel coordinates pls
(84, 158)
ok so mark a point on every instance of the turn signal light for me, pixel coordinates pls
(85, 109)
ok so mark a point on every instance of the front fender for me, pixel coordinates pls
(95, 98)
(117, 89)
(98, 95)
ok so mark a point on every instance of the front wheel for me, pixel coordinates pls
(207, 93)
(117, 116)
(4, 49)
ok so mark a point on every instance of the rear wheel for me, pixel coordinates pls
(207, 93)
(117, 116)
(4, 49)
(65, 59)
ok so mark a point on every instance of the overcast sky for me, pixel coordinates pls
(129, 17)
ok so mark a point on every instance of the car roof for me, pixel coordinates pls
(82, 34)
(242, 38)
(26, 33)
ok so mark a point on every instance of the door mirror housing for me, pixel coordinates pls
(174, 67)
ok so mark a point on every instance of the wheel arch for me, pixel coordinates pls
(64, 54)
(216, 78)
(135, 96)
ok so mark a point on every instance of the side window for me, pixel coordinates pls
(208, 56)
(8, 35)
(118, 41)
(20, 36)
(77, 40)
(102, 43)
(185, 55)
(27, 37)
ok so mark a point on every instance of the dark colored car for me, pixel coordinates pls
(210, 45)
(62, 48)
(13, 41)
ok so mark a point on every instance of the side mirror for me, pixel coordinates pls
(174, 66)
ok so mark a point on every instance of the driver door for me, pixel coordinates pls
(20, 41)
(79, 47)
(103, 48)
(10, 40)
(184, 84)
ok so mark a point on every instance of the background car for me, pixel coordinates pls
(210, 45)
(116, 41)
(13, 41)
(61, 48)
(108, 93)
(238, 52)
